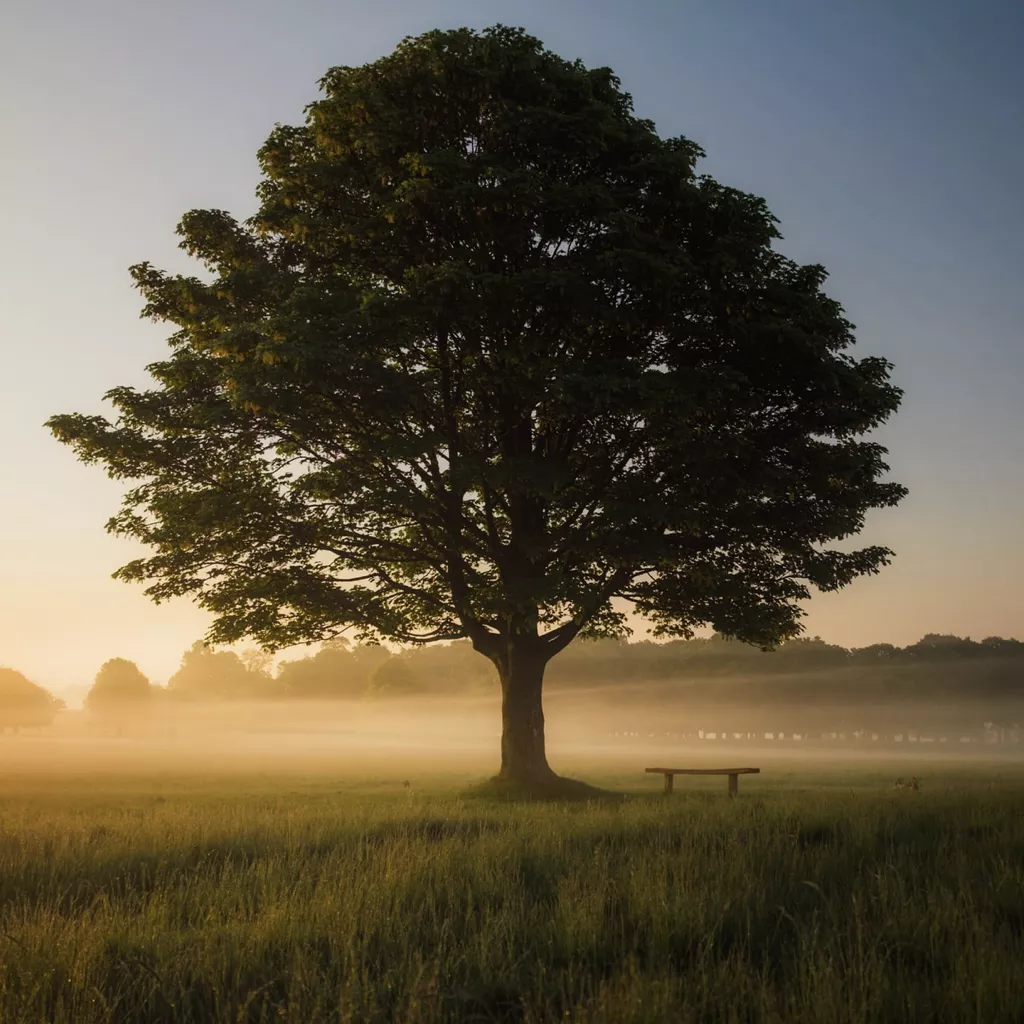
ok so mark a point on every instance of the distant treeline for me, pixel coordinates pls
(719, 665)
(719, 655)
(337, 670)
(716, 668)
(956, 666)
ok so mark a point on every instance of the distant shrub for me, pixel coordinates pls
(119, 686)
(338, 669)
(343, 670)
(23, 703)
(209, 674)
(395, 677)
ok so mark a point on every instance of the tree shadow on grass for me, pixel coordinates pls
(556, 788)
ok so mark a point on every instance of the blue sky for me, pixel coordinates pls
(887, 137)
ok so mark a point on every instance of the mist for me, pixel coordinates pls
(369, 716)
(593, 732)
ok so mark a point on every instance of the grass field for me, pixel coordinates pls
(238, 896)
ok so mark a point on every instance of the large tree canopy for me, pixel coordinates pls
(489, 355)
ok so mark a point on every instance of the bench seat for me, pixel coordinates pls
(733, 773)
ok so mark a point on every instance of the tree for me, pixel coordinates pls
(23, 703)
(395, 678)
(451, 668)
(942, 647)
(218, 675)
(337, 670)
(490, 359)
(258, 661)
(119, 686)
(875, 652)
(1001, 645)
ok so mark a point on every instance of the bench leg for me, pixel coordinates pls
(734, 785)
(668, 783)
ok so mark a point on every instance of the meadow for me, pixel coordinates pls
(240, 892)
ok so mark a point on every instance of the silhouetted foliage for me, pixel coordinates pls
(119, 686)
(874, 652)
(23, 704)
(999, 645)
(450, 668)
(490, 355)
(993, 663)
(207, 674)
(396, 678)
(808, 667)
(338, 669)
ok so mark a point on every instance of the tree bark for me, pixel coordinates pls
(523, 758)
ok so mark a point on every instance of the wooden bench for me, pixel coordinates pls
(733, 773)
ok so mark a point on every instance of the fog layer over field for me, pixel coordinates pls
(617, 729)
(625, 701)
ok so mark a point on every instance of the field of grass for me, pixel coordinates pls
(246, 897)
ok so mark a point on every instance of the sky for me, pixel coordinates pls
(887, 137)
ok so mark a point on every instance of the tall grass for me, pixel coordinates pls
(236, 902)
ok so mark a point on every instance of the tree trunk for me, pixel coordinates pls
(523, 759)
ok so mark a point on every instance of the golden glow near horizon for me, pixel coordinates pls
(60, 635)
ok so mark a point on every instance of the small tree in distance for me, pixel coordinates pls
(395, 678)
(489, 356)
(119, 686)
(257, 661)
(23, 703)
(208, 674)
(337, 670)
